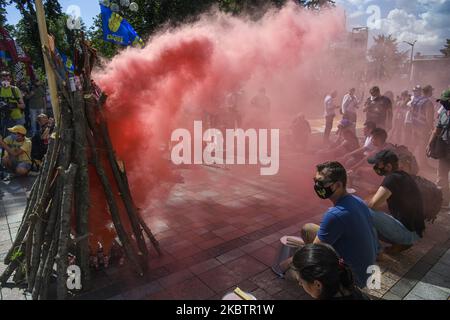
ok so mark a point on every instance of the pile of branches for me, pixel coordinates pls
(59, 198)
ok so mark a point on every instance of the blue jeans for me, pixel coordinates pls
(392, 230)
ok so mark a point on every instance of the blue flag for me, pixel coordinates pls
(67, 61)
(4, 56)
(117, 30)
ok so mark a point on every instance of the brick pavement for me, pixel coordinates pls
(13, 197)
(221, 229)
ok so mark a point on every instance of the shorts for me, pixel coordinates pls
(24, 165)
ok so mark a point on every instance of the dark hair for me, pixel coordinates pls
(375, 89)
(370, 124)
(320, 262)
(380, 133)
(393, 161)
(334, 171)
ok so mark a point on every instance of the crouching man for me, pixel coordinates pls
(17, 151)
(347, 226)
(406, 223)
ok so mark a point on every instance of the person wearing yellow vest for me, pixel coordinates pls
(12, 95)
(17, 157)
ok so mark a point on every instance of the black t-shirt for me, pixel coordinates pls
(377, 109)
(405, 203)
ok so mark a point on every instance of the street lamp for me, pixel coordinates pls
(412, 57)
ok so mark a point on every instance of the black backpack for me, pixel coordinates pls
(406, 158)
(431, 197)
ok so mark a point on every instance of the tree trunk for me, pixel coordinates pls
(64, 230)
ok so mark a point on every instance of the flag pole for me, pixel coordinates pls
(51, 79)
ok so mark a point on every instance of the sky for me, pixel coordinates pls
(427, 21)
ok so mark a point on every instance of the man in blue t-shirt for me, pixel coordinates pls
(347, 226)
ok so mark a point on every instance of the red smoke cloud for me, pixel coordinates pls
(184, 72)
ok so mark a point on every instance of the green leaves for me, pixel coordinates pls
(446, 50)
(386, 59)
(17, 254)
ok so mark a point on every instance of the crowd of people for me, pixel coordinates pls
(354, 234)
(25, 125)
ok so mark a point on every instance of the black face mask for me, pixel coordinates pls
(321, 191)
(381, 172)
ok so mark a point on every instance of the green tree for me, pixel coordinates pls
(316, 4)
(26, 35)
(3, 20)
(153, 14)
(446, 49)
(385, 58)
(3, 4)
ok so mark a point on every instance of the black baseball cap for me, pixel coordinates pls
(385, 156)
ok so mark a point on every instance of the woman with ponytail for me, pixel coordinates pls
(324, 275)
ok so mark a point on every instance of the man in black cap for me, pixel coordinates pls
(406, 223)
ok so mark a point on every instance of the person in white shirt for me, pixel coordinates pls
(356, 156)
(350, 106)
(330, 113)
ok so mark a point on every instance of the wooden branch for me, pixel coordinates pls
(149, 234)
(64, 230)
(48, 267)
(123, 187)
(115, 215)
(144, 226)
(81, 189)
(15, 262)
(61, 82)
(38, 239)
(35, 202)
(50, 233)
(21, 233)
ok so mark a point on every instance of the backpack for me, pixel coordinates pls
(431, 197)
(407, 160)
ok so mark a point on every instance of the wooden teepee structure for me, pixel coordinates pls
(57, 217)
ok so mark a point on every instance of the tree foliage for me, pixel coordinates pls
(385, 58)
(446, 50)
(25, 32)
(153, 14)
(3, 22)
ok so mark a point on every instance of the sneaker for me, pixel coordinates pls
(8, 177)
(278, 272)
